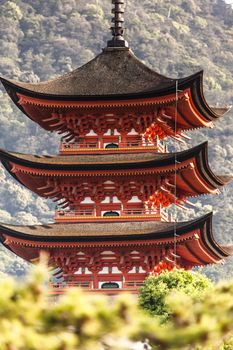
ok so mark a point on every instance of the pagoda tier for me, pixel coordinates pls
(122, 253)
(118, 184)
(115, 91)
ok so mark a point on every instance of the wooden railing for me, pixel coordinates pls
(67, 213)
(130, 287)
(96, 147)
(79, 215)
(66, 285)
(133, 284)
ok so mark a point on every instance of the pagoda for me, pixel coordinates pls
(114, 178)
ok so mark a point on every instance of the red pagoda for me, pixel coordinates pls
(114, 177)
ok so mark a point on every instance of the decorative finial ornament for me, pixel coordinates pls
(118, 25)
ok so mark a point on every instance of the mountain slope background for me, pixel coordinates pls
(40, 40)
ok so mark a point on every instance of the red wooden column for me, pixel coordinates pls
(95, 266)
(95, 279)
(124, 277)
(97, 208)
(95, 271)
(101, 142)
(125, 264)
(123, 139)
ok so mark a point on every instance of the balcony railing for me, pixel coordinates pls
(85, 212)
(65, 285)
(60, 288)
(133, 284)
(76, 147)
(91, 215)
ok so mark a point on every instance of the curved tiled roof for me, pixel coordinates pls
(159, 162)
(115, 74)
(87, 159)
(91, 230)
(113, 232)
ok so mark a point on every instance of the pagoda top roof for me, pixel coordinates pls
(114, 74)
(197, 232)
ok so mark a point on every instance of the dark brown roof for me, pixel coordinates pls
(118, 162)
(226, 178)
(97, 232)
(79, 230)
(115, 74)
(228, 249)
(221, 110)
(82, 160)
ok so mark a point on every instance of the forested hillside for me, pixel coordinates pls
(43, 39)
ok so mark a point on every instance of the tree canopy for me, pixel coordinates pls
(153, 294)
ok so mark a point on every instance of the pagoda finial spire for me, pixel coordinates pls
(118, 25)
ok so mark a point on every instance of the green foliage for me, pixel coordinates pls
(200, 22)
(92, 12)
(154, 292)
(31, 320)
(11, 10)
(228, 345)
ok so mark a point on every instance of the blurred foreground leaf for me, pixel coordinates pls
(31, 320)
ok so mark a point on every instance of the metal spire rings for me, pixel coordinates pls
(118, 25)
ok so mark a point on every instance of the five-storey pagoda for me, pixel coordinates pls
(114, 178)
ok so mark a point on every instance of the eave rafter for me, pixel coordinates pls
(53, 112)
(161, 109)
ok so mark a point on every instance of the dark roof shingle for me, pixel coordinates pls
(111, 72)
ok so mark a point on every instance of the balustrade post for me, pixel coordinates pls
(119, 141)
(124, 139)
(101, 142)
(95, 279)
